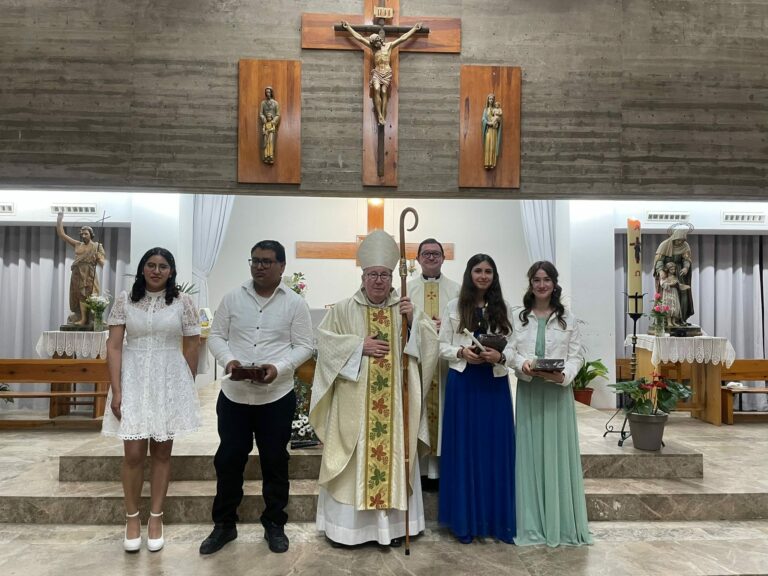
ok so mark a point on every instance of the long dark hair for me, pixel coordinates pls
(495, 314)
(529, 298)
(139, 288)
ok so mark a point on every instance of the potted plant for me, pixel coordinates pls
(649, 407)
(588, 372)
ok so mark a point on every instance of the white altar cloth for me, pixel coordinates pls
(72, 344)
(694, 349)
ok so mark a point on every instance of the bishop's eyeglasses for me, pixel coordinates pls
(259, 262)
(383, 276)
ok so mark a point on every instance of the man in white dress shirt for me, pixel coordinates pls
(261, 322)
(431, 291)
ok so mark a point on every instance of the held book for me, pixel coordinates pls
(252, 372)
(548, 365)
(495, 341)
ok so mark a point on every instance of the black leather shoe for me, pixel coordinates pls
(430, 484)
(275, 536)
(395, 542)
(217, 539)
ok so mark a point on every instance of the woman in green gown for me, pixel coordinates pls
(550, 501)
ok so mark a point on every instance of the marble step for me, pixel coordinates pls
(190, 502)
(675, 500)
(305, 464)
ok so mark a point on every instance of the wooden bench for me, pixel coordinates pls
(745, 369)
(62, 375)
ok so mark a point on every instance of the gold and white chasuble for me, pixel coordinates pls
(360, 422)
(432, 295)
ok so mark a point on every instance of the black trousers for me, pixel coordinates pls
(239, 424)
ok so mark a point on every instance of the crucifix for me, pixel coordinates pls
(325, 32)
(348, 250)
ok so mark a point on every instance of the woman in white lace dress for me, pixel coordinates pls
(152, 398)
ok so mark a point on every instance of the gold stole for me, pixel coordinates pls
(380, 397)
(432, 309)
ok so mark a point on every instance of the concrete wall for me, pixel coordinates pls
(621, 98)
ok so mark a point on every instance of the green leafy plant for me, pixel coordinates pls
(188, 288)
(5, 388)
(660, 395)
(588, 372)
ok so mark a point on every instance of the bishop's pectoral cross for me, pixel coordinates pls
(380, 117)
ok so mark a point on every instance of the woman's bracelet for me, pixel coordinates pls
(460, 352)
(502, 358)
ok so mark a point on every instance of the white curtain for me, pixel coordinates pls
(729, 287)
(34, 287)
(539, 229)
(209, 223)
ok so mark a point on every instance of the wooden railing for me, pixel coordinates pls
(747, 369)
(63, 376)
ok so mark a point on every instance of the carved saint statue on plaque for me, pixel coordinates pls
(269, 114)
(492, 120)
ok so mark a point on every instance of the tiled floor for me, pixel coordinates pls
(654, 549)
(735, 461)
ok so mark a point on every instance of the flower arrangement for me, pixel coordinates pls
(296, 282)
(659, 312)
(660, 395)
(302, 433)
(97, 305)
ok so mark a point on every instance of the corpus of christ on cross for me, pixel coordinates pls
(325, 32)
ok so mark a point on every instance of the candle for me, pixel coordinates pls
(634, 267)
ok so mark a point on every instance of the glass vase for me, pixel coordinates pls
(98, 321)
(659, 327)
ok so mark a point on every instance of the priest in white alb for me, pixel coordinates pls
(431, 291)
(357, 406)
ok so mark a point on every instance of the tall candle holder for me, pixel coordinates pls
(635, 316)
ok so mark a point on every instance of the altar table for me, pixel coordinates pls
(60, 344)
(705, 354)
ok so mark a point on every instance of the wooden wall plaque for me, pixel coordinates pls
(284, 76)
(477, 82)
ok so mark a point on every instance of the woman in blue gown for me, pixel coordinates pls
(551, 506)
(477, 464)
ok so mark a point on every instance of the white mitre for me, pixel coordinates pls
(378, 249)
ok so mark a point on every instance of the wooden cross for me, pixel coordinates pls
(318, 32)
(348, 250)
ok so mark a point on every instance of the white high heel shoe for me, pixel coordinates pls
(155, 544)
(131, 544)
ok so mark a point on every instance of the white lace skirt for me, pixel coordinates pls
(159, 397)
